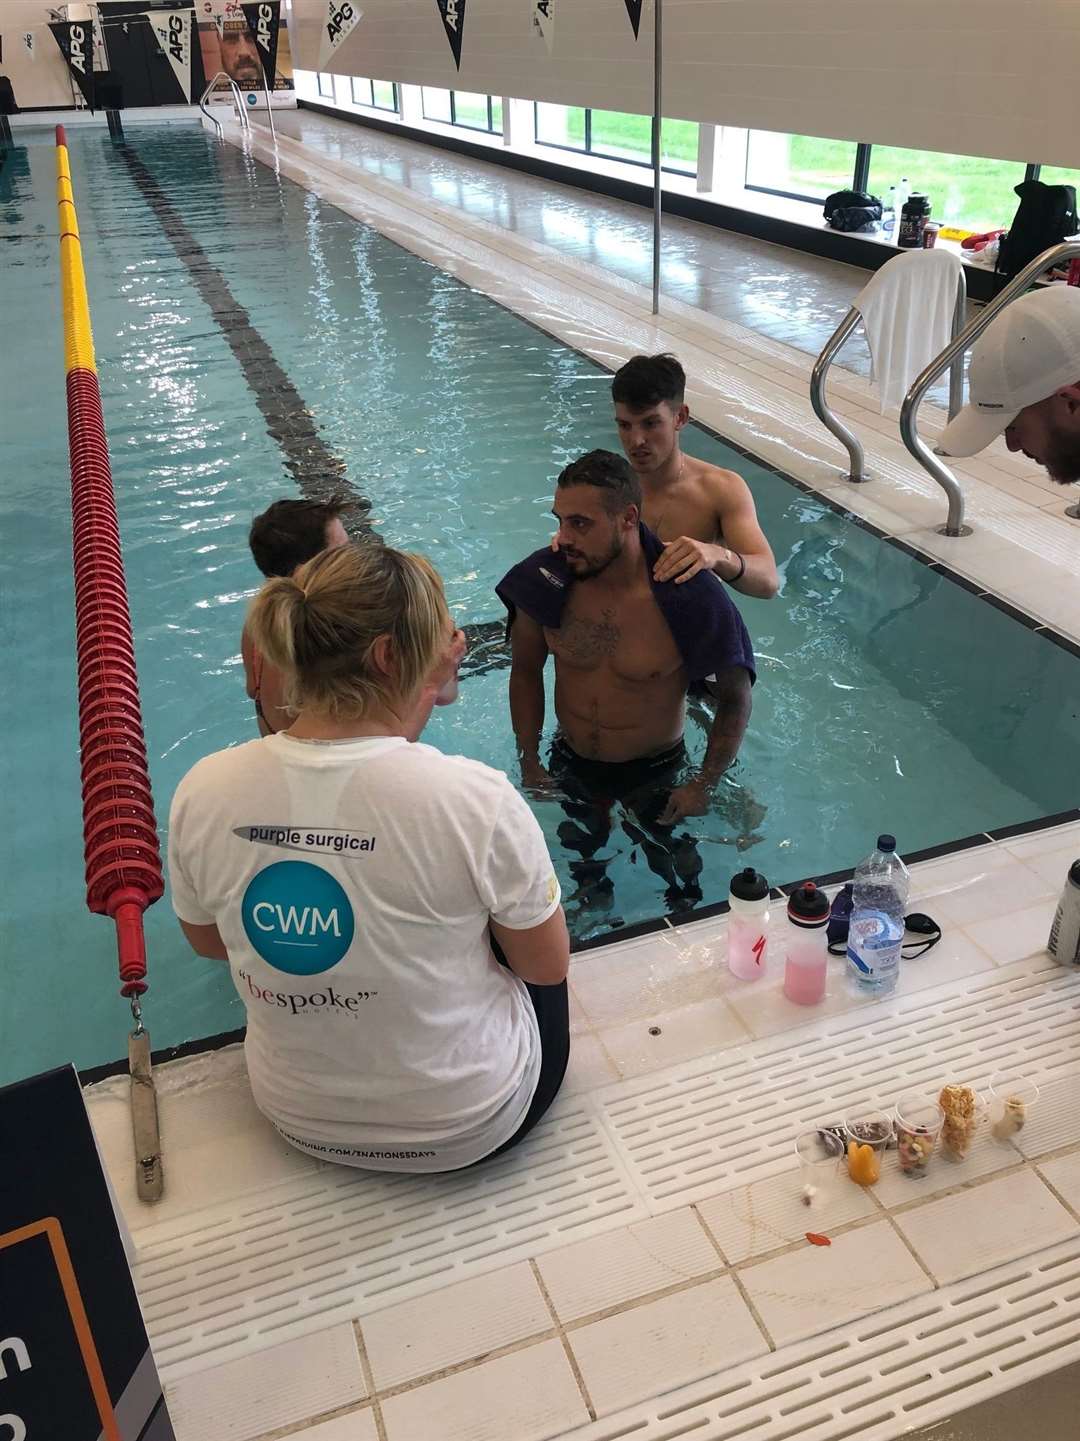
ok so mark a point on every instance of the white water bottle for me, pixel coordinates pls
(748, 924)
(903, 195)
(891, 214)
(1064, 942)
(876, 931)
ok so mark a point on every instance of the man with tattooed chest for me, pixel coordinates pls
(627, 646)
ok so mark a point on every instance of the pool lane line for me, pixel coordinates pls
(318, 471)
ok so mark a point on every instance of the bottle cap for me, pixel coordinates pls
(886, 844)
(808, 907)
(749, 885)
(1074, 873)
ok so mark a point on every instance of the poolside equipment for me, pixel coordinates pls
(123, 860)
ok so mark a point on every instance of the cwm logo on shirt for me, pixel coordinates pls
(297, 918)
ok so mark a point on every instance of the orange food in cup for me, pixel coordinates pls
(864, 1164)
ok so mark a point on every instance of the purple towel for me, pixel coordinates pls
(702, 617)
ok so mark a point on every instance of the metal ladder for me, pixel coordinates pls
(237, 101)
(953, 355)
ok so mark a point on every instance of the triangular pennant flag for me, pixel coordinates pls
(28, 41)
(264, 22)
(453, 18)
(633, 9)
(173, 31)
(543, 18)
(76, 42)
(342, 18)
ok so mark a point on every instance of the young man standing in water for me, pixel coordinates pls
(627, 646)
(704, 515)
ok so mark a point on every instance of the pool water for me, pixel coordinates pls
(888, 697)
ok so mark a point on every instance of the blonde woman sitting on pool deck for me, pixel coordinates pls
(359, 884)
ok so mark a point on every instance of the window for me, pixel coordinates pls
(616, 135)
(378, 94)
(964, 190)
(801, 166)
(326, 85)
(462, 107)
(1056, 175)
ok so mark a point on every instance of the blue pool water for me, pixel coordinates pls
(888, 697)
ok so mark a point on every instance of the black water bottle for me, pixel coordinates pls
(840, 917)
(913, 218)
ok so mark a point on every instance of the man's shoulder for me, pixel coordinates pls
(718, 483)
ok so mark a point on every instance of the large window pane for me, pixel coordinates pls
(471, 110)
(436, 104)
(629, 137)
(800, 165)
(964, 190)
(560, 125)
(361, 90)
(326, 85)
(384, 95)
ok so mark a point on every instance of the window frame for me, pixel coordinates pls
(320, 78)
(371, 103)
(860, 171)
(588, 148)
(488, 129)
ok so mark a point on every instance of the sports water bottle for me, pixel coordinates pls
(890, 213)
(876, 931)
(748, 924)
(1064, 942)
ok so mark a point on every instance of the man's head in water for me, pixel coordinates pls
(597, 505)
(292, 531)
(1024, 381)
(650, 410)
(240, 55)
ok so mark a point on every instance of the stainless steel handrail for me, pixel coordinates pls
(953, 355)
(833, 422)
(237, 100)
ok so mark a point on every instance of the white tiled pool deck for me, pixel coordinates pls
(640, 1266)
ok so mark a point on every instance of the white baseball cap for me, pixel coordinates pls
(1025, 354)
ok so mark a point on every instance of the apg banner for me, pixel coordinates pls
(342, 18)
(633, 9)
(543, 19)
(453, 19)
(76, 41)
(172, 29)
(75, 1364)
(264, 22)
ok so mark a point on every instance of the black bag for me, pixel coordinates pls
(7, 97)
(1045, 216)
(852, 210)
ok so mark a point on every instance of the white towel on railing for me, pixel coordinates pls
(907, 311)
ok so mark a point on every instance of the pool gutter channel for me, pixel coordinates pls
(487, 630)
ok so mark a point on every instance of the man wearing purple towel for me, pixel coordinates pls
(627, 647)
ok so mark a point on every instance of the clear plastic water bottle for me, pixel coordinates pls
(889, 210)
(876, 930)
(903, 194)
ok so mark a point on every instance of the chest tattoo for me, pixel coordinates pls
(590, 640)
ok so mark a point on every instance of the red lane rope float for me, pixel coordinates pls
(123, 859)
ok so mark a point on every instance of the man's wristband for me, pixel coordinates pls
(734, 579)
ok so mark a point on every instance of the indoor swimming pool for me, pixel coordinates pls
(254, 341)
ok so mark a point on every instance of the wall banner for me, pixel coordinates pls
(342, 18)
(172, 29)
(264, 22)
(76, 41)
(453, 19)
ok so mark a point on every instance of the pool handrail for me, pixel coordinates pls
(120, 833)
(237, 101)
(953, 355)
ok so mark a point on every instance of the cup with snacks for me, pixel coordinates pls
(918, 1126)
(963, 1109)
(868, 1136)
(1011, 1099)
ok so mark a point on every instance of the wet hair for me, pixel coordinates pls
(646, 380)
(292, 531)
(319, 626)
(608, 473)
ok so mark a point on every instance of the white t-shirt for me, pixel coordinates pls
(352, 883)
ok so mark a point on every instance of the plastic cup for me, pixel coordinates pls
(868, 1137)
(806, 969)
(820, 1154)
(1011, 1099)
(964, 1108)
(918, 1126)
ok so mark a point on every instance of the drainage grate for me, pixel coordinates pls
(730, 1118)
(340, 1243)
(921, 1362)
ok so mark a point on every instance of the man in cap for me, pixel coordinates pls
(1024, 382)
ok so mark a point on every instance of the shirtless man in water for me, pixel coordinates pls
(625, 652)
(704, 515)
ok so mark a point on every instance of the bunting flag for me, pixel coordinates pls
(342, 18)
(543, 19)
(633, 9)
(453, 19)
(264, 22)
(172, 29)
(28, 41)
(76, 41)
